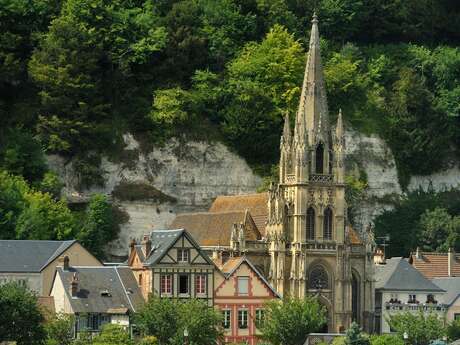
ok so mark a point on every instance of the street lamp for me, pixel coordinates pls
(186, 336)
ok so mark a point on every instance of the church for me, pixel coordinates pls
(297, 233)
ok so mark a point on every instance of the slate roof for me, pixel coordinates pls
(255, 203)
(435, 265)
(215, 229)
(162, 241)
(398, 275)
(452, 287)
(119, 282)
(30, 256)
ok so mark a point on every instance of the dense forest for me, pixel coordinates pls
(75, 75)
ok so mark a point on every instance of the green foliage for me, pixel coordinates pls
(354, 335)
(405, 223)
(28, 214)
(149, 340)
(20, 319)
(453, 330)
(355, 190)
(21, 154)
(112, 334)
(338, 341)
(421, 328)
(440, 230)
(50, 184)
(98, 227)
(167, 319)
(386, 339)
(288, 322)
(59, 330)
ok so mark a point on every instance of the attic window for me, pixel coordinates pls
(106, 293)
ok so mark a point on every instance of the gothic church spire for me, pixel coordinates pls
(312, 116)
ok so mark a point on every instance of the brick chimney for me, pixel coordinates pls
(74, 285)
(146, 245)
(450, 262)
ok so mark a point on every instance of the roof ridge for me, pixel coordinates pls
(212, 213)
(239, 195)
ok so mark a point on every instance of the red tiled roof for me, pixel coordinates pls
(255, 203)
(435, 265)
(215, 229)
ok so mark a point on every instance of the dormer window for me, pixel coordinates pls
(183, 255)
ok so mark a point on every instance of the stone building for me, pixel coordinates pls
(305, 245)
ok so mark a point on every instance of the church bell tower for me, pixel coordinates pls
(309, 245)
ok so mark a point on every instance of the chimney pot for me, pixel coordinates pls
(450, 261)
(146, 245)
(74, 285)
(66, 263)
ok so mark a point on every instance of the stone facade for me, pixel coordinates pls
(312, 250)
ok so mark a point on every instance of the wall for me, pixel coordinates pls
(33, 280)
(78, 256)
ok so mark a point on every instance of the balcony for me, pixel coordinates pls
(321, 178)
(326, 245)
(415, 306)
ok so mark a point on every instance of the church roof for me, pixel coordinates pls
(313, 116)
(398, 275)
(255, 203)
(215, 229)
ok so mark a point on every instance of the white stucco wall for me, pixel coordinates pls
(33, 280)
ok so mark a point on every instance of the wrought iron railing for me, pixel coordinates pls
(320, 178)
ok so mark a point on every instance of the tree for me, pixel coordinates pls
(99, 226)
(386, 339)
(112, 334)
(440, 230)
(20, 319)
(59, 330)
(354, 336)
(167, 319)
(453, 330)
(288, 322)
(421, 328)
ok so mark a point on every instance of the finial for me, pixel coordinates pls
(315, 18)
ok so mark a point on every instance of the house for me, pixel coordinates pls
(33, 263)
(241, 291)
(399, 288)
(436, 265)
(169, 263)
(96, 295)
(451, 298)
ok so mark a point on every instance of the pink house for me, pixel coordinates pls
(240, 293)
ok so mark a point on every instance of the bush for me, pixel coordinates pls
(386, 339)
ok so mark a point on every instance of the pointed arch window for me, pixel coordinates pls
(310, 223)
(319, 158)
(327, 224)
(331, 160)
(318, 278)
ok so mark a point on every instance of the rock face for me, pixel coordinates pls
(369, 155)
(178, 177)
(185, 177)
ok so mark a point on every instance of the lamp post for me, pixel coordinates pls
(186, 336)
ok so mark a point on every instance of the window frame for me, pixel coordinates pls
(201, 282)
(180, 255)
(240, 279)
(260, 317)
(183, 294)
(243, 318)
(227, 319)
(165, 284)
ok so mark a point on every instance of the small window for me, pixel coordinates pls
(456, 316)
(412, 299)
(140, 279)
(183, 255)
(166, 284)
(22, 282)
(319, 159)
(227, 313)
(243, 286)
(260, 317)
(200, 284)
(310, 223)
(242, 318)
(183, 284)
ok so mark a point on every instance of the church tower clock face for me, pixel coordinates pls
(310, 246)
